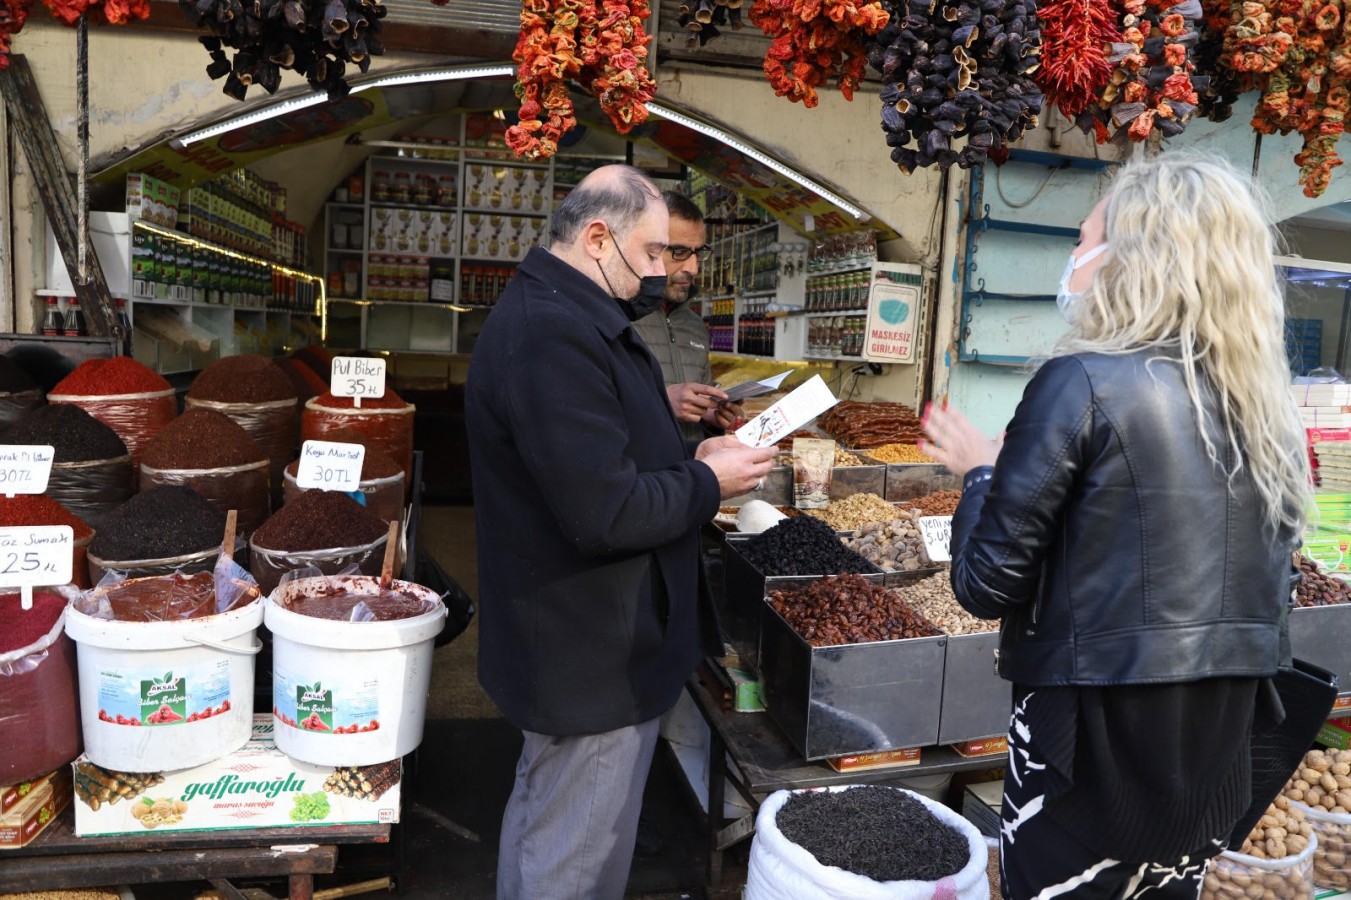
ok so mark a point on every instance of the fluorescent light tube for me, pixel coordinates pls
(770, 163)
(258, 115)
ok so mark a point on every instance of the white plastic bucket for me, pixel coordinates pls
(357, 673)
(192, 666)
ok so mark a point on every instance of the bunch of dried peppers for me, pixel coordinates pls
(601, 44)
(815, 41)
(317, 38)
(1075, 41)
(13, 14)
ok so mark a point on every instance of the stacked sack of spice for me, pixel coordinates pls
(39, 693)
(257, 395)
(129, 398)
(326, 530)
(164, 529)
(382, 479)
(23, 510)
(386, 423)
(91, 470)
(208, 452)
(18, 392)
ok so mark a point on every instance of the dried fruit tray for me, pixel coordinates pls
(1318, 634)
(852, 698)
(976, 701)
(905, 481)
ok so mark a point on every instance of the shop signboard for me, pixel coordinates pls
(895, 304)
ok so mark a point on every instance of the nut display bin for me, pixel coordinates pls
(1318, 634)
(745, 588)
(846, 481)
(777, 491)
(906, 481)
(976, 701)
(853, 698)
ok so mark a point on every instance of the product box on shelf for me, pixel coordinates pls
(887, 759)
(256, 786)
(1336, 733)
(1330, 549)
(991, 746)
(24, 821)
(152, 200)
(12, 795)
(852, 698)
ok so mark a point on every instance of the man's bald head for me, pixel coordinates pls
(616, 195)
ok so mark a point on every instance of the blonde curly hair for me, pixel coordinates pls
(1190, 268)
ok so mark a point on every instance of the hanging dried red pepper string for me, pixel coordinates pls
(604, 46)
(13, 13)
(815, 41)
(1075, 40)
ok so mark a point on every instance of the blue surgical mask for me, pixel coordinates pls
(1066, 299)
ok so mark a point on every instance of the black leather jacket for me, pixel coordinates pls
(1112, 547)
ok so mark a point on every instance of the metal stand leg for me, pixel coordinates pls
(717, 784)
(301, 887)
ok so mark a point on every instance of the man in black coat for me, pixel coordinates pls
(588, 505)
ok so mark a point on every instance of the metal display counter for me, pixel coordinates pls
(57, 859)
(766, 762)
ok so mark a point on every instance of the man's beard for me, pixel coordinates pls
(678, 293)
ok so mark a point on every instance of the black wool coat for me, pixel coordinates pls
(588, 506)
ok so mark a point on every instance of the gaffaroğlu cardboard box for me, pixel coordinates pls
(257, 786)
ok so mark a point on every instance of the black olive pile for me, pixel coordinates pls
(317, 39)
(877, 832)
(802, 546)
(952, 69)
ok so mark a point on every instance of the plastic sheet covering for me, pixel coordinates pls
(274, 425)
(39, 704)
(384, 496)
(170, 598)
(188, 564)
(13, 406)
(270, 566)
(1332, 857)
(389, 429)
(1231, 875)
(393, 603)
(92, 489)
(242, 488)
(136, 418)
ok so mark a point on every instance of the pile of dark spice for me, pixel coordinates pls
(39, 509)
(14, 379)
(20, 627)
(391, 400)
(110, 377)
(163, 522)
(877, 832)
(75, 435)
(802, 546)
(246, 378)
(319, 520)
(375, 464)
(202, 439)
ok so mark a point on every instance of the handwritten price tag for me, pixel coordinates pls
(937, 534)
(35, 555)
(25, 468)
(330, 466)
(357, 377)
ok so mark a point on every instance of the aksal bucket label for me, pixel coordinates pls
(155, 698)
(347, 706)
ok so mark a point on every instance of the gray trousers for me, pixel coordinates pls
(569, 827)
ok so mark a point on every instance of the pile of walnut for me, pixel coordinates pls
(893, 546)
(854, 512)
(1281, 832)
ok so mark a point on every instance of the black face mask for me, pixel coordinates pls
(651, 289)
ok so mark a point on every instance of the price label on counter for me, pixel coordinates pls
(25, 468)
(35, 555)
(330, 466)
(357, 377)
(937, 534)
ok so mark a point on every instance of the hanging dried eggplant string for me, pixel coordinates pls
(1153, 87)
(1075, 39)
(956, 69)
(1218, 98)
(316, 38)
(1307, 87)
(702, 20)
(603, 46)
(815, 41)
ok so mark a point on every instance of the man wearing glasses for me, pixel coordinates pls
(676, 334)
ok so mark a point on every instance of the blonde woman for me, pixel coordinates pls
(1134, 534)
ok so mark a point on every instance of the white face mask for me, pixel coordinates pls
(1066, 299)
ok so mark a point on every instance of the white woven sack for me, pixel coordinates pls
(782, 870)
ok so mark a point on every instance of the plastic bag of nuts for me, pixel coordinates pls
(1321, 790)
(1233, 875)
(1332, 857)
